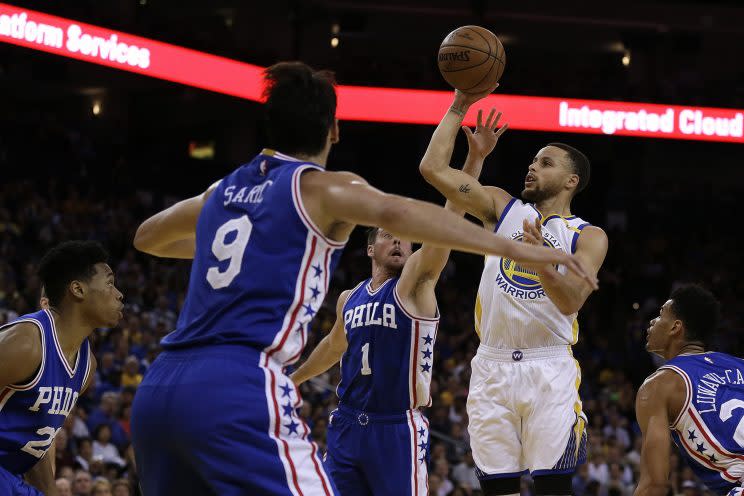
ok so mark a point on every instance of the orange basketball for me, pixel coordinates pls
(471, 59)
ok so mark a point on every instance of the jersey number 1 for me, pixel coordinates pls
(365, 360)
(232, 251)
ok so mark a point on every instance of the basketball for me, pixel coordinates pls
(471, 59)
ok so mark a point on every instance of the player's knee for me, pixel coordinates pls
(501, 486)
(553, 484)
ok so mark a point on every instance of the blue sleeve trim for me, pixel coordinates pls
(576, 236)
(503, 214)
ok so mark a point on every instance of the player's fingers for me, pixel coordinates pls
(495, 122)
(502, 130)
(468, 132)
(480, 117)
(538, 225)
(490, 117)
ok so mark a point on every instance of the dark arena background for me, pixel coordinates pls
(90, 146)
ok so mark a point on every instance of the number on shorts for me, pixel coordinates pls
(31, 446)
(365, 360)
(233, 251)
(727, 410)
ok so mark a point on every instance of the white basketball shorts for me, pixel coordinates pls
(525, 412)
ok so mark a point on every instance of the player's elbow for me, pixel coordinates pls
(143, 240)
(428, 169)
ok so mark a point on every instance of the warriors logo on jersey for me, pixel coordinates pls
(512, 310)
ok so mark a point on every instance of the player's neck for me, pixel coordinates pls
(380, 275)
(684, 349)
(319, 159)
(71, 331)
(559, 204)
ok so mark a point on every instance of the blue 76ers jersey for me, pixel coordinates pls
(388, 364)
(261, 267)
(31, 414)
(709, 430)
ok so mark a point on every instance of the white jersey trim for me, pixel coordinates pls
(688, 392)
(70, 370)
(410, 315)
(300, 207)
(30, 384)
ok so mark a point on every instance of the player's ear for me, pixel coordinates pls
(77, 289)
(677, 329)
(370, 250)
(334, 132)
(573, 181)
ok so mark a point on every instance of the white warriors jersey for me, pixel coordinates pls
(512, 310)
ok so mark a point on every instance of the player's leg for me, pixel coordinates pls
(342, 459)
(554, 432)
(397, 456)
(13, 485)
(494, 426)
(160, 469)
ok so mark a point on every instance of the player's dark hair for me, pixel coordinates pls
(67, 262)
(579, 162)
(698, 310)
(300, 107)
(372, 235)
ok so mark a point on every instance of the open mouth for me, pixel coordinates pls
(529, 179)
(396, 253)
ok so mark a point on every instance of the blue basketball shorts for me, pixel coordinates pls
(376, 454)
(13, 485)
(222, 420)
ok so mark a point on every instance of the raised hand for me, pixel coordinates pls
(468, 99)
(482, 142)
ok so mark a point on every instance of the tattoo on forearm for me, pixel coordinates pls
(465, 188)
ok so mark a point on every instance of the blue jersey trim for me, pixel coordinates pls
(503, 214)
(576, 236)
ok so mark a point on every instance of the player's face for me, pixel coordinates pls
(105, 301)
(547, 175)
(657, 334)
(389, 251)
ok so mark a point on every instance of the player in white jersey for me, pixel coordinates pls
(524, 408)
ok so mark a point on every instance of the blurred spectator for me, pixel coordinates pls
(121, 487)
(101, 487)
(441, 468)
(64, 488)
(102, 447)
(464, 472)
(131, 376)
(83, 485)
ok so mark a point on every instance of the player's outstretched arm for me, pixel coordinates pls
(337, 201)
(20, 353)
(652, 413)
(485, 203)
(567, 291)
(422, 270)
(329, 350)
(171, 233)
